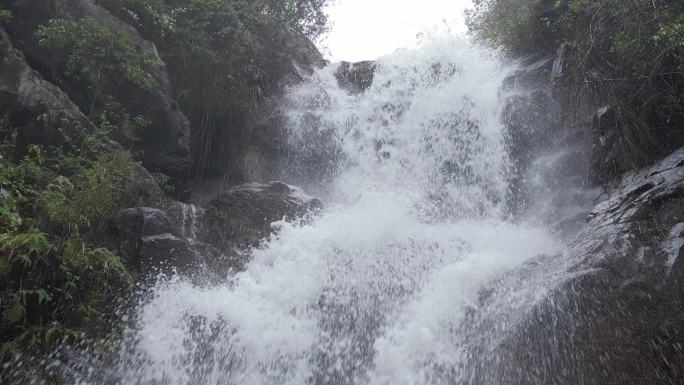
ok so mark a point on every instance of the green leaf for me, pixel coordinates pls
(43, 296)
(55, 328)
(16, 312)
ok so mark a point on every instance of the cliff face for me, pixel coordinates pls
(238, 142)
(228, 71)
(164, 144)
(27, 96)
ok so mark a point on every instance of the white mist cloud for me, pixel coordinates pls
(367, 29)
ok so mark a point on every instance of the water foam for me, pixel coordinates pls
(414, 177)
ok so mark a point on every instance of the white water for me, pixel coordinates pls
(372, 291)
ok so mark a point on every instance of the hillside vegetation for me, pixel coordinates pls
(626, 54)
(61, 274)
(223, 58)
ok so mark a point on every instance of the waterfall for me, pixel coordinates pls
(188, 220)
(414, 176)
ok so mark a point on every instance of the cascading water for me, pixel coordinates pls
(414, 175)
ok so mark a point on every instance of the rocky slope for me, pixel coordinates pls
(165, 144)
(242, 148)
(44, 105)
(610, 311)
(28, 94)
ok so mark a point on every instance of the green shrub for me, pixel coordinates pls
(94, 195)
(54, 283)
(517, 26)
(95, 60)
(163, 181)
(5, 14)
(222, 57)
(166, 16)
(94, 53)
(55, 289)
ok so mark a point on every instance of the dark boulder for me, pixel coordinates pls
(166, 253)
(218, 234)
(241, 217)
(143, 190)
(165, 144)
(138, 222)
(356, 77)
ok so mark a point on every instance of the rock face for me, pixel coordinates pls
(626, 302)
(251, 145)
(31, 109)
(245, 144)
(151, 241)
(613, 312)
(549, 157)
(356, 77)
(165, 145)
(610, 309)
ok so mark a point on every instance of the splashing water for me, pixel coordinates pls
(414, 175)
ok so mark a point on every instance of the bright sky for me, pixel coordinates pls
(367, 29)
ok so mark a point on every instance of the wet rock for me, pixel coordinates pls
(531, 120)
(165, 143)
(246, 144)
(143, 190)
(356, 77)
(632, 244)
(241, 217)
(152, 242)
(607, 160)
(166, 253)
(534, 71)
(674, 249)
(558, 69)
(138, 222)
(608, 312)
